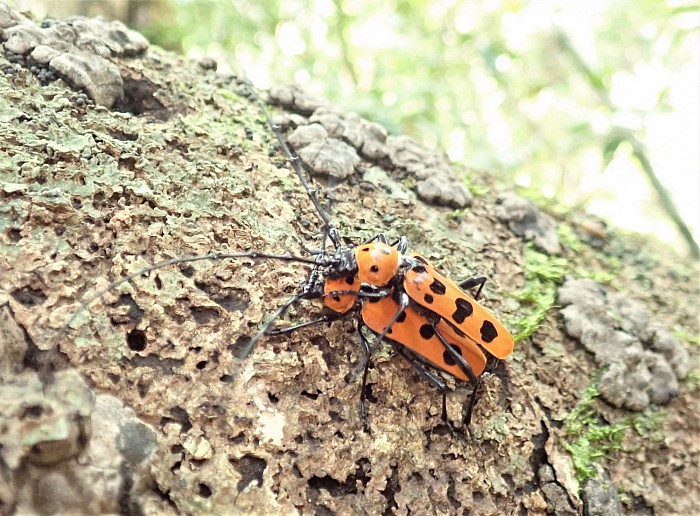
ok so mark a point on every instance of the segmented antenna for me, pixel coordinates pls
(295, 160)
(329, 231)
(56, 339)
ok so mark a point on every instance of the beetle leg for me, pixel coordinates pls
(401, 244)
(266, 327)
(381, 237)
(467, 369)
(432, 379)
(363, 389)
(470, 283)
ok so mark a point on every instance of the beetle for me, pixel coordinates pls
(401, 298)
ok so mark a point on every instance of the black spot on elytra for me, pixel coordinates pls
(464, 310)
(447, 357)
(374, 268)
(488, 331)
(438, 287)
(336, 298)
(365, 249)
(428, 298)
(350, 280)
(401, 318)
(419, 269)
(426, 331)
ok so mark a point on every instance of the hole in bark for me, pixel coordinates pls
(163, 495)
(640, 506)
(32, 411)
(179, 415)
(230, 299)
(138, 99)
(29, 296)
(251, 469)
(538, 455)
(311, 395)
(392, 487)
(136, 340)
(336, 488)
(333, 486)
(203, 315)
(452, 494)
(218, 410)
(14, 235)
(187, 271)
(134, 313)
(204, 490)
(296, 471)
(237, 439)
(237, 347)
(142, 388)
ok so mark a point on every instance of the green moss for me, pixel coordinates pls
(569, 238)
(612, 262)
(455, 215)
(409, 183)
(539, 301)
(649, 424)
(687, 337)
(692, 381)
(543, 273)
(543, 267)
(588, 437)
(476, 188)
(603, 277)
(625, 498)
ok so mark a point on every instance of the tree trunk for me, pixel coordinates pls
(104, 174)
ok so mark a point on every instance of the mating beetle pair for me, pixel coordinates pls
(402, 298)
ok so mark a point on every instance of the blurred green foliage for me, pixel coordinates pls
(542, 93)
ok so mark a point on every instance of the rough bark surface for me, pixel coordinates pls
(183, 163)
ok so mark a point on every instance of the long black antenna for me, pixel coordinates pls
(295, 160)
(253, 255)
